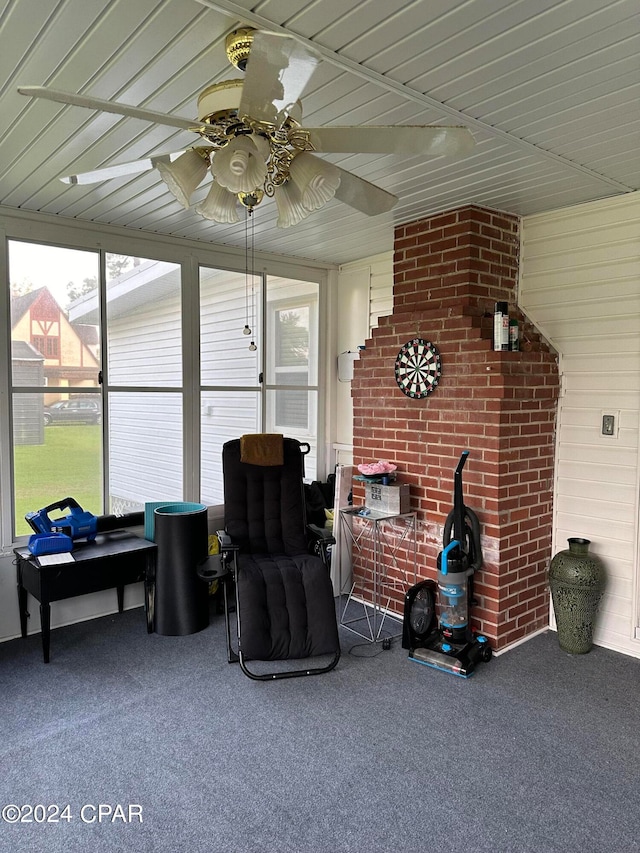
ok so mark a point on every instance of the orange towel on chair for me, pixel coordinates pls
(262, 449)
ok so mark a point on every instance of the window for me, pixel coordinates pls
(292, 368)
(57, 449)
(270, 388)
(142, 379)
(125, 381)
(49, 347)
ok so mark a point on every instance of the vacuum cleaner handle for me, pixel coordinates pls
(444, 558)
(458, 500)
(461, 461)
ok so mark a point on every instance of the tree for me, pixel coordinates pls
(20, 288)
(75, 291)
(116, 265)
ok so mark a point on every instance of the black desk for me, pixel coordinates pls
(112, 560)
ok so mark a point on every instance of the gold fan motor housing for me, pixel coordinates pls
(238, 47)
(220, 102)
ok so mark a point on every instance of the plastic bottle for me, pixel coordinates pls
(501, 327)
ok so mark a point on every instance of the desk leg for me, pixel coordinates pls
(120, 593)
(45, 622)
(22, 606)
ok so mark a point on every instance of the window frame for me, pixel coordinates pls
(271, 367)
(190, 255)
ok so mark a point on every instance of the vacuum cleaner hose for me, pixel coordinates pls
(472, 546)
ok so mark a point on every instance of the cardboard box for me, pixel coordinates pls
(393, 500)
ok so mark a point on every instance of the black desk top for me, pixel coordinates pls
(111, 544)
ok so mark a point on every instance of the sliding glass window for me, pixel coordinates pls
(56, 400)
(230, 368)
(142, 379)
(291, 386)
(259, 365)
(102, 407)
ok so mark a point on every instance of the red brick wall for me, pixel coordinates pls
(449, 270)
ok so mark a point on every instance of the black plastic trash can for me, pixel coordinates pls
(181, 598)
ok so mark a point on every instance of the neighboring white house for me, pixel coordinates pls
(144, 373)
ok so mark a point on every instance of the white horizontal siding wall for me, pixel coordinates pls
(145, 448)
(580, 285)
(145, 427)
(365, 285)
(380, 288)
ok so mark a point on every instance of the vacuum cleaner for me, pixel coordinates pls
(451, 645)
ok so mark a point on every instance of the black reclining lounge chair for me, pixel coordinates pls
(285, 608)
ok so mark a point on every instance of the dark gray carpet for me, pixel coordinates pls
(536, 752)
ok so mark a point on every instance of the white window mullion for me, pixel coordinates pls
(191, 378)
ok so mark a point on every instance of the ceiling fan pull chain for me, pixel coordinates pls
(252, 345)
(247, 327)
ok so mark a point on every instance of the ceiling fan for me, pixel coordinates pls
(254, 142)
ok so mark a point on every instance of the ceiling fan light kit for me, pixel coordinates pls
(239, 166)
(184, 175)
(256, 144)
(316, 179)
(291, 209)
(220, 205)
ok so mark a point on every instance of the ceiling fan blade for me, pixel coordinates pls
(120, 170)
(431, 141)
(278, 70)
(105, 106)
(362, 195)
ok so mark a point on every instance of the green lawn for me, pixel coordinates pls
(68, 464)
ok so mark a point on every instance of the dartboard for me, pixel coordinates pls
(418, 368)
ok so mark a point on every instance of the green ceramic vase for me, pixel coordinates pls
(577, 580)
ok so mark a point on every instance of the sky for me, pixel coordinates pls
(50, 266)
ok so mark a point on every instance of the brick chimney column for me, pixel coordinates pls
(449, 270)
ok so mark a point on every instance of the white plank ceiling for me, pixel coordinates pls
(549, 88)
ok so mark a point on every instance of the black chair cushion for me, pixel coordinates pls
(286, 606)
(264, 505)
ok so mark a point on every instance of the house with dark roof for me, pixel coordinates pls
(69, 352)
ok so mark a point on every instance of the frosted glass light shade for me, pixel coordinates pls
(184, 174)
(220, 205)
(316, 180)
(239, 166)
(291, 210)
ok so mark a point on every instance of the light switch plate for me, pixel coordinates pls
(610, 422)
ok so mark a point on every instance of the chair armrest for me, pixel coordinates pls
(225, 540)
(228, 549)
(320, 541)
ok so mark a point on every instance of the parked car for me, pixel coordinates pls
(73, 411)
